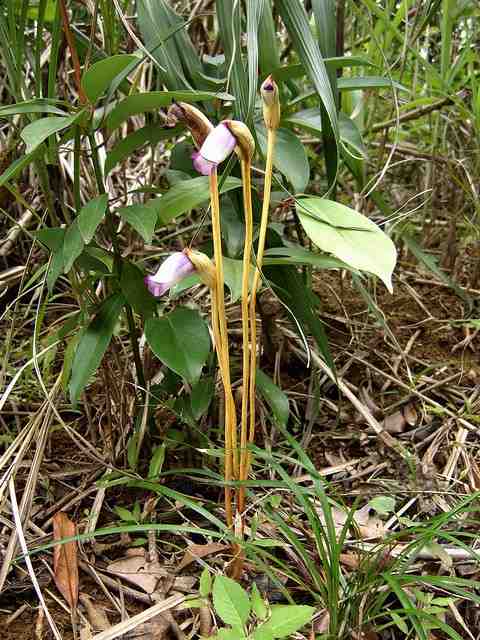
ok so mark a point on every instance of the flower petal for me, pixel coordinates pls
(218, 145)
(176, 267)
(205, 167)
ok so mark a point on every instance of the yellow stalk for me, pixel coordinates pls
(253, 297)
(219, 323)
(247, 251)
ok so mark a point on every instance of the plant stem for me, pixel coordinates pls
(218, 304)
(244, 467)
(247, 252)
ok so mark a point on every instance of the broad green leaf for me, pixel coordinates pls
(90, 217)
(150, 134)
(233, 272)
(39, 105)
(262, 634)
(181, 341)
(72, 246)
(97, 79)
(348, 235)
(383, 504)
(201, 396)
(230, 634)
(187, 195)
(287, 619)
(231, 602)
(289, 156)
(258, 603)
(38, 131)
(299, 255)
(310, 120)
(94, 343)
(153, 100)
(141, 217)
(135, 291)
(274, 397)
(51, 238)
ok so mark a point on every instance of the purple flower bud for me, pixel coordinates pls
(218, 145)
(172, 270)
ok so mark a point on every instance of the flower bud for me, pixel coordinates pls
(245, 141)
(203, 266)
(271, 103)
(198, 123)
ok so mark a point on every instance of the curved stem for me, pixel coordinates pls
(247, 252)
(253, 298)
(219, 322)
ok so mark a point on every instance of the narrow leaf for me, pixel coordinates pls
(94, 343)
(99, 76)
(276, 399)
(38, 131)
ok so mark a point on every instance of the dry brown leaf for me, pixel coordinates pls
(368, 525)
(154, 629)
(138, 571)
(395, 423)
(196, 551)
(65, 563)
(96, 614)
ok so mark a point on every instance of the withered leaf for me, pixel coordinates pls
(65, 563)
(195, 551)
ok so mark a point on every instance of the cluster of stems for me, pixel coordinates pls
(237, 458)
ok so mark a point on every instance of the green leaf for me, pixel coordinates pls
(94, 343)
(16, 167)
(40, 105)
(124, 514)
(181, 341)
(233, 273)
(349, 236)
(400, 622)
(135, 291)
(289, 156)
(258, 603)
(262, 634)
(187, 195)
(296, 21)
(156, 463)
(153, 100)
(97, 79)
(150, 134)
(310, 120)
(38, 131)
(299, 255)
(368, 82)
(72, 246)
(230, 634)
(141, 217)
(201, 397)
(383, 504)
(274, 396)
(90, 217)
(231, 602)
(205, 583)
(287, 619)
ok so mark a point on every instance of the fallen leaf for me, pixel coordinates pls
(196, 551)
(368, 525)
(395, 423)
(154, 629)
(65, 563)
(96, 614)
(138, 571)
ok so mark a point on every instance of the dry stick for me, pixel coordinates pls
(247, 369)
(230, 418)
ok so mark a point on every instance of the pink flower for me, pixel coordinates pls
(172, 270)
(218, 145)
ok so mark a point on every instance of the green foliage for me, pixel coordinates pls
(234, 606)
(180, 340)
